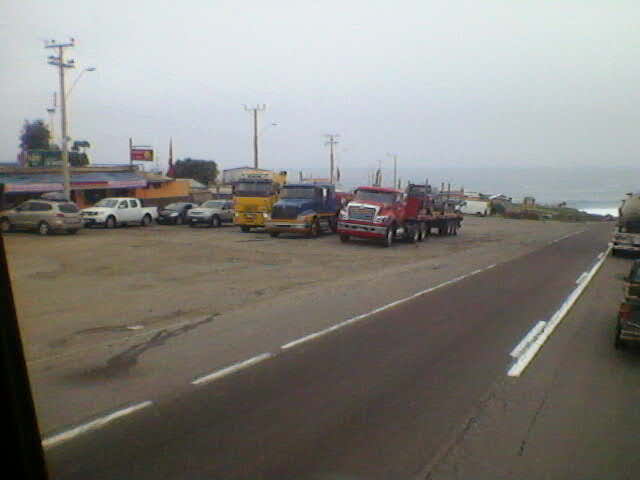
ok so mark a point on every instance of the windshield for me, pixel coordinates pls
(174, 206)
(372, 196)
(107, 202)
(213, 204)
(253, 189)
(297, 192)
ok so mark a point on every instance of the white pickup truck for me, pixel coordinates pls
(111, 212)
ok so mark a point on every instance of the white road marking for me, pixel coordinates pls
(231, 369)
(565, 237)
(526, 357)
(320, 333)
(582, 276)
(93, 425)
(528, 338)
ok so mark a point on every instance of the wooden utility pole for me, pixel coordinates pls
(331, 142)
(59, 61)
(255, 110)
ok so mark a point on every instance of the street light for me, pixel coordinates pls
(88, 69)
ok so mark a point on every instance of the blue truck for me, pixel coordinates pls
(304, 208)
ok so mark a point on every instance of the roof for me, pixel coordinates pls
(380, 189)
(48, 182)
(193, 183)
(308, 185)
(156, 177)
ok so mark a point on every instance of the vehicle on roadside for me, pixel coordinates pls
(118, 211)
(174, 213)
(254, 195)
(304, 208)
(482, 208)
(43, 216)
(212, 213)
(626, 237)
(388, 214)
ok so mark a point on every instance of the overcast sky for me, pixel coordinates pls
(526, 82)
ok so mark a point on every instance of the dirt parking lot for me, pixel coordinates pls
(69, 288)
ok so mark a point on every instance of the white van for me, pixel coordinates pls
(476, 207)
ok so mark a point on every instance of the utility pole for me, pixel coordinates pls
(52, 112)
(395, 168)
(331, 142)
(258, 108)
(60, 62)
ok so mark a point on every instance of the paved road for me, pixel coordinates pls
(573, 414)
(377, 399)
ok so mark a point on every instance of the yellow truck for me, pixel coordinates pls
(254, 195)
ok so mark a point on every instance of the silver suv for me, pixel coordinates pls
(212, 213)
(43, 216)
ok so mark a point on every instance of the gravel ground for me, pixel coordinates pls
(69, 288)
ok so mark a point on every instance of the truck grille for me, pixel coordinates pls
(284, 211)
(362, 213)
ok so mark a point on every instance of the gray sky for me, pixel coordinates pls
(469, 82)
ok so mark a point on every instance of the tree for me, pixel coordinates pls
(204, 171)
(35, 135)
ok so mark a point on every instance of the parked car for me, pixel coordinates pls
(43, 216)
(212, 213)
(111, 212)
(628, 322)
(174, 213)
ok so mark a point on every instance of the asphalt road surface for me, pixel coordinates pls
(378, 399)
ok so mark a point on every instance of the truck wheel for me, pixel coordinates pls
(614, 252)
(5, 225)
(110, 222)
(146, 220)
(43, 228)
(315, 229)
(344, 238)
(388, 238)
(333, 224)
(274, 234)
(215, 221)
(413, 234)
(618, 342)
(179, 220)
(244, 229)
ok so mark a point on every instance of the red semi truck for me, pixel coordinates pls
(387, 214)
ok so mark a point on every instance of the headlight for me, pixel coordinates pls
(265, 215)
(382, 219)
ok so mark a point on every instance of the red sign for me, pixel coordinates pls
(142, 154)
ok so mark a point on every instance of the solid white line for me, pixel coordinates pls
(528, 338)
(99, 422)
(231, 369)
(582, 276)
(320, 333)
(526, 358)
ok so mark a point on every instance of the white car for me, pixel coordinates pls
(111, 212)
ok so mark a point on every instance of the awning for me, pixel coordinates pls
(51, 182)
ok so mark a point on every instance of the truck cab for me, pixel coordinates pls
(304, 208)
(375, 213)
(254, 197)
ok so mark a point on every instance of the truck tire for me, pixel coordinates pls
(146, 220)
(315, 229)
(333, 224)
(618, 343)
(344, 238)
(614, 252)
(179, 220)
(5, 225)
(244, 228)
(110, 222)
(274, 234)
(412, 234)
(388, 238)
(215, 221)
